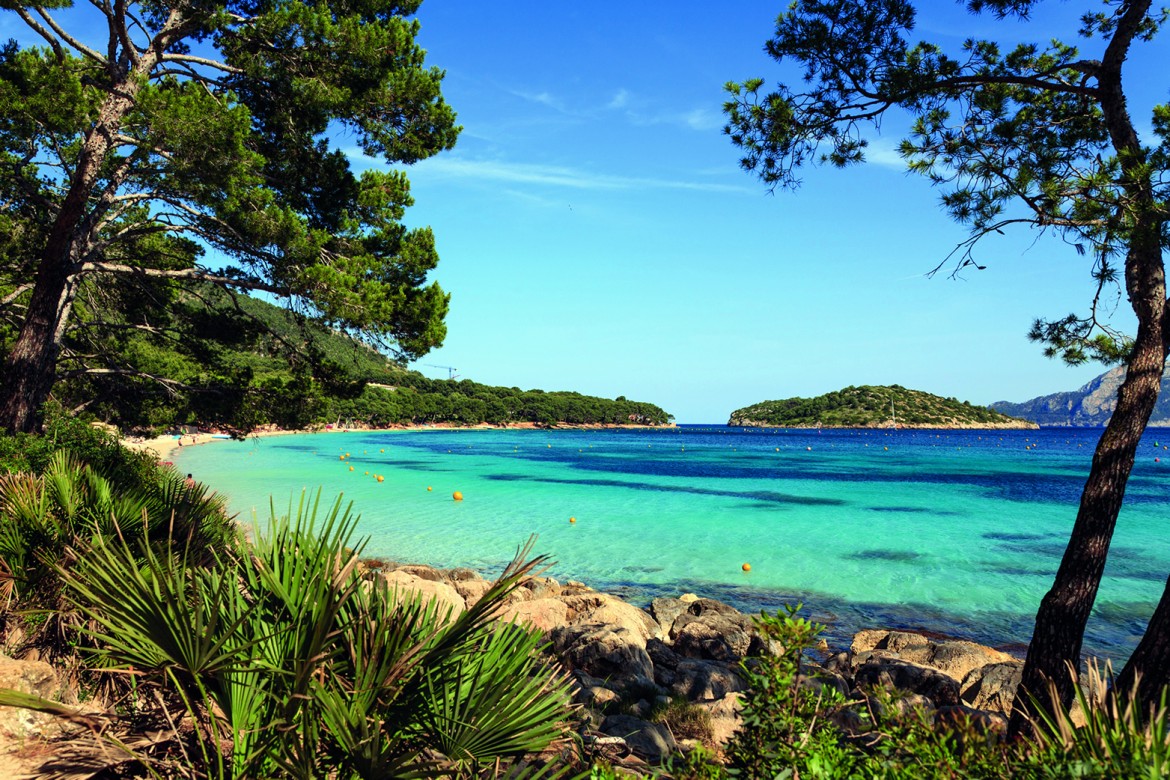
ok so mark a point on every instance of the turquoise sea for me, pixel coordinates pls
(957, 532)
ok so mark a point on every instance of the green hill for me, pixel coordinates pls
(247, 363)
(872, 406)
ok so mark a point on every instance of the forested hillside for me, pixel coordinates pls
(248, 363)
(873, 407)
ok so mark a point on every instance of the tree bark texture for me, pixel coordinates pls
(30, 369)
(1064, 611)
(1055, 650)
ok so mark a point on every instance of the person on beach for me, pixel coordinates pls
(190, 481)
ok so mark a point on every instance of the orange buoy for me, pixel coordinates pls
(747, 567)
(341, 457)
(429, 488)
(351, 468)
(380, 478)
(457, 496)
(572, 519)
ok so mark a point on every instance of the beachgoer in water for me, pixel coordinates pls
(190, 481)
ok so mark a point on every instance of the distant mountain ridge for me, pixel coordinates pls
(1089, 407)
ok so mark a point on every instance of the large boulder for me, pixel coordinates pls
(423, 572)
(712, 635)
(610, 653)
(32, 677)
(725, 717)
(701, 681)
(471, 590)
(953, 657)
(610, 610)
(877, 672)
(404, 583)
(542, 614)
(651, 741)
(665, 610)
(992, 687)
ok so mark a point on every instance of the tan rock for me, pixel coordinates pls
(422, 572)
(471, 590)
(32, 677)
(724, 716)
(543, 614)
(993, 687)
(448, 598)
(953, 657)
(610, 610)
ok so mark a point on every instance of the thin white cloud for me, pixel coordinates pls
(544, 99)
(556, 176)
(701, 119)
(884, 152)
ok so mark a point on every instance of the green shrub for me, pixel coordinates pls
(31, 453)
(790, 730)
(282, 661)
(46, 519)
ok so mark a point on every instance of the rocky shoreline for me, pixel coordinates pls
(630, 665)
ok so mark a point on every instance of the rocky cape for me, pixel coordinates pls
(627, 664)
(1091, 406)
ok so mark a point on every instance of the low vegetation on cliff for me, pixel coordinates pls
(873, 406)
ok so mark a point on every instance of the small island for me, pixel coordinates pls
(873, 406)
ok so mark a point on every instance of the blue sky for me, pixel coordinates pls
(597, 235)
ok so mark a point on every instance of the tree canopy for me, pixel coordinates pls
(195, 143)
(1040, 135)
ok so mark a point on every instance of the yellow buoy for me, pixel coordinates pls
(381, 450)
(341, 457)
(351, 468)
(747, 567)
(380, 478)
(428, 488)
(367, 473)
(457, 496)
(572, 519)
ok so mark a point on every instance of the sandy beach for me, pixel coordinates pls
(164, 446)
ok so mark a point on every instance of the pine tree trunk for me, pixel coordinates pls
(1064, 611)
(30, 369)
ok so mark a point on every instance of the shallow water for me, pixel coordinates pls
(958, 532)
